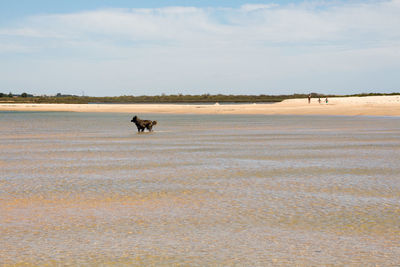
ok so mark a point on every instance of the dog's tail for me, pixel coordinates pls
(154, 122)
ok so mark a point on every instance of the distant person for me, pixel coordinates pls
(319, 100)
(309, 98)
(326, 100)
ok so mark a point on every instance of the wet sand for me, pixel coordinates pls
(84, 189)
(371, 105)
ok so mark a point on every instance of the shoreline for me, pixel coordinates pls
(347, 106)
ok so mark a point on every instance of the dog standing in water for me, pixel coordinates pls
(143, 124)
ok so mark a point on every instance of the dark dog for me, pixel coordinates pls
(143, 124)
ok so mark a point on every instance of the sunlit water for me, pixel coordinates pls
(86, 189)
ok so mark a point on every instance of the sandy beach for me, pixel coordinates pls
(371, 106)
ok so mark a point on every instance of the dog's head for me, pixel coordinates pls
(134, 119)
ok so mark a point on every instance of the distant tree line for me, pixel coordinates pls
(15, 95)
(175, 98)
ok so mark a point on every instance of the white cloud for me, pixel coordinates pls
(7, 47)
(254, 7)
(262, 48)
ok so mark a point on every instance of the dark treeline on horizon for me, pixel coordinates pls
(178, 98)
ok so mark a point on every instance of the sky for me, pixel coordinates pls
(153, 47)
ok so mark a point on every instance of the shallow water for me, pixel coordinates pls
(86, 189)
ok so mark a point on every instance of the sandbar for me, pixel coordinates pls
(347, 106)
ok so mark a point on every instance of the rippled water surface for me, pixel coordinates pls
(86, 189)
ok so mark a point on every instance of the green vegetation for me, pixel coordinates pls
(179, 98)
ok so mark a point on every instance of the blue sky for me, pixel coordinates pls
(195, 47)
(17, 9)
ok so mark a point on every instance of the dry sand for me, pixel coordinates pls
(371, 105)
